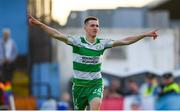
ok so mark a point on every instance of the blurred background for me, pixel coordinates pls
(38, 73)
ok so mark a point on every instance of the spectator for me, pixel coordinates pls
(169, 94)
(64, 103)
(8, 55)
(49, 104)
(114, 89)
(169, 85)
(133, 88)
(135, 106)
(148, 92)
(132, 100)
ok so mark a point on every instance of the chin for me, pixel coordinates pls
(94, 36)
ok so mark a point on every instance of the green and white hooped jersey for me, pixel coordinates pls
(87, 57)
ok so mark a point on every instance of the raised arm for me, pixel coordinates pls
(133, 39)
(53, 32)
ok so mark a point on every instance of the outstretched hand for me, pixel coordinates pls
(152, 34)
(33, 21)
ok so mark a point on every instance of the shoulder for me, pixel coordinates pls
(11, 41)
(74, 40)
(74, 37)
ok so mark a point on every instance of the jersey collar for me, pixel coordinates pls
(90, 42)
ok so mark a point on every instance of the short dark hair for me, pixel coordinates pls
(167, 75)
(150, 76)
(90, 18)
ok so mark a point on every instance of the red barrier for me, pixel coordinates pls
(112, 104)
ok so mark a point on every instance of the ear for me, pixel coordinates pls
(84, 27)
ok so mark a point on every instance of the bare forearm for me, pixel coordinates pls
(53, 32)
(128, 40)
(134, 39)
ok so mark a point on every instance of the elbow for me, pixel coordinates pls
(127, 43)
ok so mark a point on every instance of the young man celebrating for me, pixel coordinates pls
(87, 50)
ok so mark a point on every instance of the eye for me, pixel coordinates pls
(93, 25)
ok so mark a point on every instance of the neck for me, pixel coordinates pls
(90, 39)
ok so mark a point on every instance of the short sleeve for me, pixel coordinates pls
(108, 43)
(72, 40)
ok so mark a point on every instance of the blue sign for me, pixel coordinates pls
(13, 16)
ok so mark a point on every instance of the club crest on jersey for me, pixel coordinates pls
(99, 47)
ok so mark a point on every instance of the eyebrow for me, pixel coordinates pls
(94, 25)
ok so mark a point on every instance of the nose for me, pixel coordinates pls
(96, 27)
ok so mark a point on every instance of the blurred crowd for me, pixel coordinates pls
(138, 97)
(144, 96)
(62, 104)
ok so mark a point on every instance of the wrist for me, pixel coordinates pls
(143, 35)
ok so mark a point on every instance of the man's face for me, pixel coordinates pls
(151, 81)
(92, 28)
(5, 36)
(168, 81)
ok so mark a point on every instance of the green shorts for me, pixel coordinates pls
(83, 91)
